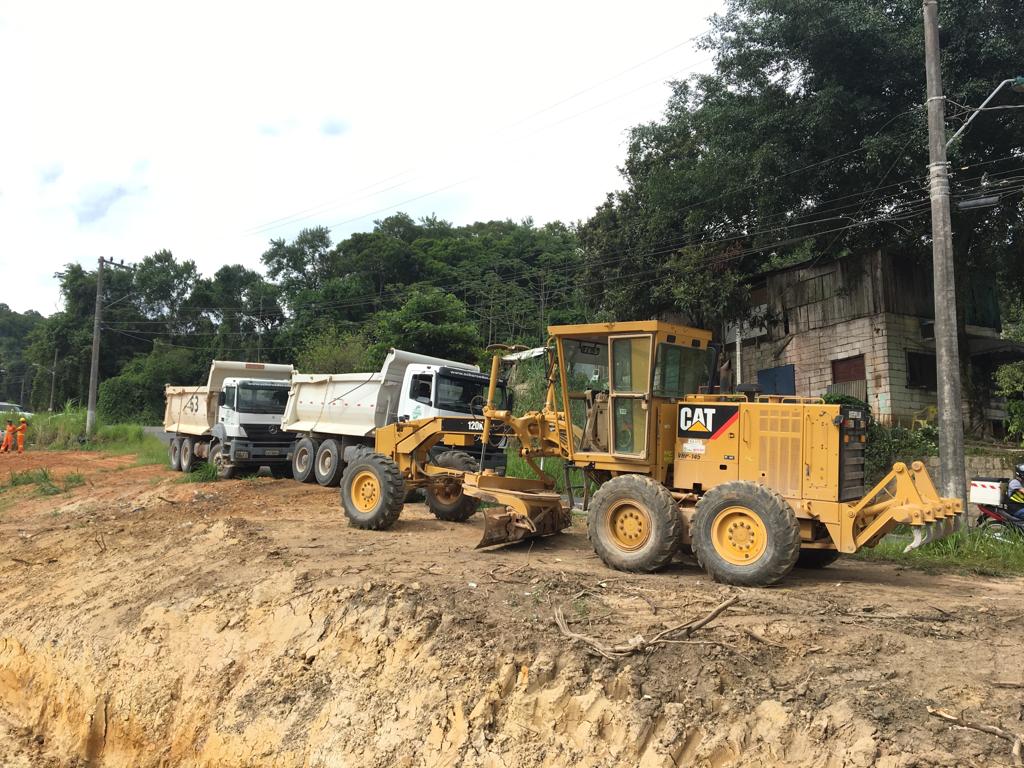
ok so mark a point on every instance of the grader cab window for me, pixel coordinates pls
(680, 371)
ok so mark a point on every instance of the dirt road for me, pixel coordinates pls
(148, 622)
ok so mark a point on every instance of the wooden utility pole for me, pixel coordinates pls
(94, 368)
(947, 356)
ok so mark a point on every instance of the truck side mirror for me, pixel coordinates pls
(220, 398)
(423, 391)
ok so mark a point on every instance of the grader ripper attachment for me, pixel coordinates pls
(753, 486)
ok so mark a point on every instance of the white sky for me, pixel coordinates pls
(130, 127)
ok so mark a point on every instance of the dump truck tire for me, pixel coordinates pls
(745, 534)
(372, 491)
(304, 460)
(188, 455)
(174, 454)
(329, 466)
(634, 524)
(448, 502)
(816, 558)
(225, 470)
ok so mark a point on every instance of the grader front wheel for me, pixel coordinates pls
(745, 534)
(372, 491)
(634, 524)
(445, 497)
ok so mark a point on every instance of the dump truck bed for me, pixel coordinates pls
(193, 410)
(353, 404)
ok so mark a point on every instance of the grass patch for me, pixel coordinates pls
(971, 552)
(43, 480)
(204, 473)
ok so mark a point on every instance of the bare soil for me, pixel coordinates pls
(148, 622)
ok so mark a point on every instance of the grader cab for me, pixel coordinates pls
(753, 485)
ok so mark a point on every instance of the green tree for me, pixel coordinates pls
(807, 140)
(330, 350)
(430, 322)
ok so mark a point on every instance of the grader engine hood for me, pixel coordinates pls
(812, 453)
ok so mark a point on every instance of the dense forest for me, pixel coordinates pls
(806, 141)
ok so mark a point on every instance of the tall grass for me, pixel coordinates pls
(65, 430)
(972, 552)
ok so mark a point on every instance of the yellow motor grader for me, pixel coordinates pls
(754, 485)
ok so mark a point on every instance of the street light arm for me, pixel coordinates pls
(974, 114)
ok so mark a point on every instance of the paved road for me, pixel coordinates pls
(158, 432)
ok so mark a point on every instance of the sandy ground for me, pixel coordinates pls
(149, 622)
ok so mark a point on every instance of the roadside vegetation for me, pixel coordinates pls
(975, 552)
(65, 430)
(43, 480)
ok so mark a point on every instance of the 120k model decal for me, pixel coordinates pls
(706, 421)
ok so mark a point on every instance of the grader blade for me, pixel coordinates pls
(526, 509)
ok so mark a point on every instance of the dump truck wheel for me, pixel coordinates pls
(174, 454)
(446, 498)
(745, 534)
(328, 466)
(188, 455)
(816, 558)
(634, 524)
(304, 461)
(372, 491)
(225, 470)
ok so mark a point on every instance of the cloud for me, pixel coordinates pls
(51, 173)
(97, 202)
(333, 127)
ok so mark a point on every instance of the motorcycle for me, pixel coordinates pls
(994, 518)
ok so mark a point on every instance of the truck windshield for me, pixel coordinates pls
(261, 398)
(465, 394)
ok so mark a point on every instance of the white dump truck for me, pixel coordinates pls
(332, 414)
(234, 421)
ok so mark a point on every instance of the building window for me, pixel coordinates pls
(921, 371)
(848, 369)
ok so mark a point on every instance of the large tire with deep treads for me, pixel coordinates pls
(816, 558)
(222, 461)
(372, 491)
(745, 534)
(174, 454)
(188, 458)
(446, 498)
(329, 466)
(304, 460)
(634, 524)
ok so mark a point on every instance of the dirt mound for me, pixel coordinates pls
(146, 622)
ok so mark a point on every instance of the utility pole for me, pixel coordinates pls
(53, 378)
(94, 369)
(947, 356)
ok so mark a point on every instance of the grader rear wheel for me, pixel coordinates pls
(634, 524)
(745, 534)
(372, 491)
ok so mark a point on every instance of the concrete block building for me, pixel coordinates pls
(863, 325)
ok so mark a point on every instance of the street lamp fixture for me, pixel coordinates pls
(1015, 83)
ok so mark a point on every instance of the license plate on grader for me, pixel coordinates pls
(754, 486)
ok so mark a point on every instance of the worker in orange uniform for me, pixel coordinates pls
(8, 438)
(21, 430)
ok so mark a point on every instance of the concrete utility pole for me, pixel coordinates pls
(53, 378)
(947, 356)
(94, 369)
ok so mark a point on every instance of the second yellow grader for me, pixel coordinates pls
(752, 485)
